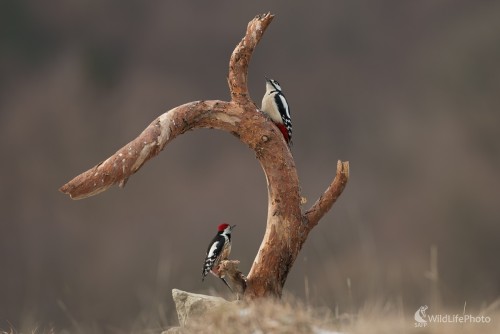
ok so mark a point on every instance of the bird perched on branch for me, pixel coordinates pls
(276, 107)
(218, 250)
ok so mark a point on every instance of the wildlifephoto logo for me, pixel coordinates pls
(422, 319)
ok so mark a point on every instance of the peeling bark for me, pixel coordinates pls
(287, 227)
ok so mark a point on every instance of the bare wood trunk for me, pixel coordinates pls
(287, 227)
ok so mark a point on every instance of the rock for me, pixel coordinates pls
(190, 305)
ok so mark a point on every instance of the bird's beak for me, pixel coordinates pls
(267, 79)
(233, 227)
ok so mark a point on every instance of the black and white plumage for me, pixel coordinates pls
(275, 106)
(218, 250)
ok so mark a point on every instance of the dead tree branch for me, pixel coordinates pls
(325, 202)
(287, 228)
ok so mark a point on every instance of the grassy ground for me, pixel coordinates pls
(294, 317)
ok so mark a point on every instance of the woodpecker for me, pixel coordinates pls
(218, 250)
(275, 106)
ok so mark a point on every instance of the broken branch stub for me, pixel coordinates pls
(287, 227)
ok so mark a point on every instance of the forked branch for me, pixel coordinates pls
(287, 228)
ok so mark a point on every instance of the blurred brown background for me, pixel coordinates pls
(408, 92)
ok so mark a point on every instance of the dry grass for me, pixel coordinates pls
(292, 316)
(262, 316)
(269, 316)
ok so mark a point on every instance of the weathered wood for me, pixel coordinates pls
(287, 228)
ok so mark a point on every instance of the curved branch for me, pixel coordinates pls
(130, 158)
(329, 197)
(287, 228)
(240, 58)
